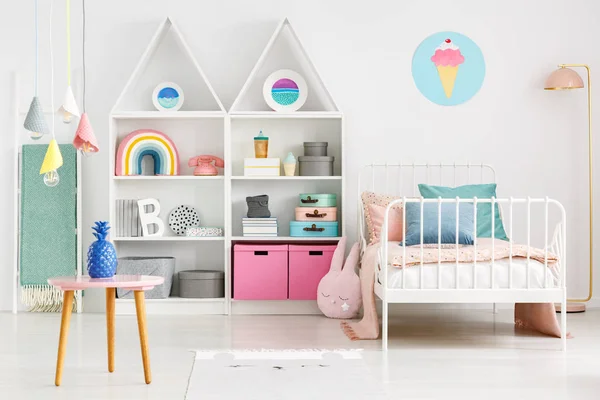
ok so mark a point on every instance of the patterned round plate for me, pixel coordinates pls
(183, 217)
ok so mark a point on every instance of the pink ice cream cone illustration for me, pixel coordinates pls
(447, 59)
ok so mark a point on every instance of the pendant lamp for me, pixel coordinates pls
(85, 140)
(35, 122)
(69, 109)
(52, 162)
(53, 159)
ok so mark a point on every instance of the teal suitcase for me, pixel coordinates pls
(313, 229)
(318, 200)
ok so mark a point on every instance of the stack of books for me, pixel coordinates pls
(259, 227)
(127, 218)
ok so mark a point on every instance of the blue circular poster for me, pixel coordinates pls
(448, 68)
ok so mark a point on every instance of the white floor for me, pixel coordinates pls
(443, 354)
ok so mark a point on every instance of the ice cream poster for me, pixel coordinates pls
(448, 68)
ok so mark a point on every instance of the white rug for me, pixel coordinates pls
(282, 374)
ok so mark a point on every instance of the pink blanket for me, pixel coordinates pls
(540, 317)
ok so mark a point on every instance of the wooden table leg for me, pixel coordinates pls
(110, 327)
(140, 309)
(64, 332)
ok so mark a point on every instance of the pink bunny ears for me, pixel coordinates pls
(337, 262)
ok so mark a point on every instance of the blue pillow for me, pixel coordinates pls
(484, 210)
(430, 223)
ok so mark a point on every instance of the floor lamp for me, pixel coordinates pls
(565, 78)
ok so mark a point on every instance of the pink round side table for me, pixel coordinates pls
(137, 283)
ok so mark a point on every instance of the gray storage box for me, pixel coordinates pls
(315, 149)
(202, 284)
(315, 166)
(154, 266)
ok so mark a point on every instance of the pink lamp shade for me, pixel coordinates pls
(562, 79)
(85, 139)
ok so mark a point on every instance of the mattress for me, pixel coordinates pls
(483, 270)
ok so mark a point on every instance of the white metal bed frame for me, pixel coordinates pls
(554, 294)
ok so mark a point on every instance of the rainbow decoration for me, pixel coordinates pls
(285, 92)
(147, 142)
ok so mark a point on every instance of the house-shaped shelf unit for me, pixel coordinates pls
(202, 126)
(198, 128)
(283, 51)
(319, 119)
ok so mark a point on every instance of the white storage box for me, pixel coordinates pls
(261, 166)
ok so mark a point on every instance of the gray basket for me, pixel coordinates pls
(154, 266)
(202, 284)
(258, 206)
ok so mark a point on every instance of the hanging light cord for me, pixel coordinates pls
(83, 50)
(35, 81)
(51, 69)
(68, 42)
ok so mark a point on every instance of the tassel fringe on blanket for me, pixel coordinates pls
(43, 298)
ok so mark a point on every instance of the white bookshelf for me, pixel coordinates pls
(318, 120)
(199, 127)
(203, 127)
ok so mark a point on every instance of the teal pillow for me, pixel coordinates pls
(484, 211)
(466, 229)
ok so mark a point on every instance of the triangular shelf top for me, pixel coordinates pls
(283, 51)
(168, 58)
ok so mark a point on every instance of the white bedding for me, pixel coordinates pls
(465, 274)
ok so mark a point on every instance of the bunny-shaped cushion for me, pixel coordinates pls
(338, 293)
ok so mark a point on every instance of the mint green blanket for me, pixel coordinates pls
(48, 242)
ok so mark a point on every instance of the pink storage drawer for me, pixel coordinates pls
(307, 265)
(260, 272)
(317, 214)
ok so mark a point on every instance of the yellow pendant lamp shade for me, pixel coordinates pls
(53, 159)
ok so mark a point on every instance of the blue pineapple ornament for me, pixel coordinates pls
(102, 256)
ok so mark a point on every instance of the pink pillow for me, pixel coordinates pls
(377, 214)
(338, 293)
(374, 216)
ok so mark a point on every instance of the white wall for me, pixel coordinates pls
(535, 139)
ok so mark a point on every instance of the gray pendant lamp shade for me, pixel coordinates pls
(35, 121)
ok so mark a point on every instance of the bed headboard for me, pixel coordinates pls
(402, 179)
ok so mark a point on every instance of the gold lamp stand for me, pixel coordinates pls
(564, 78)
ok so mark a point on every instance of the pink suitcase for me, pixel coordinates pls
(260, 272)
(316, 214)
(307, 265)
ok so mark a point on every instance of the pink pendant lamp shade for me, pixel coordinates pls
(563, 79)
(85, 140)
